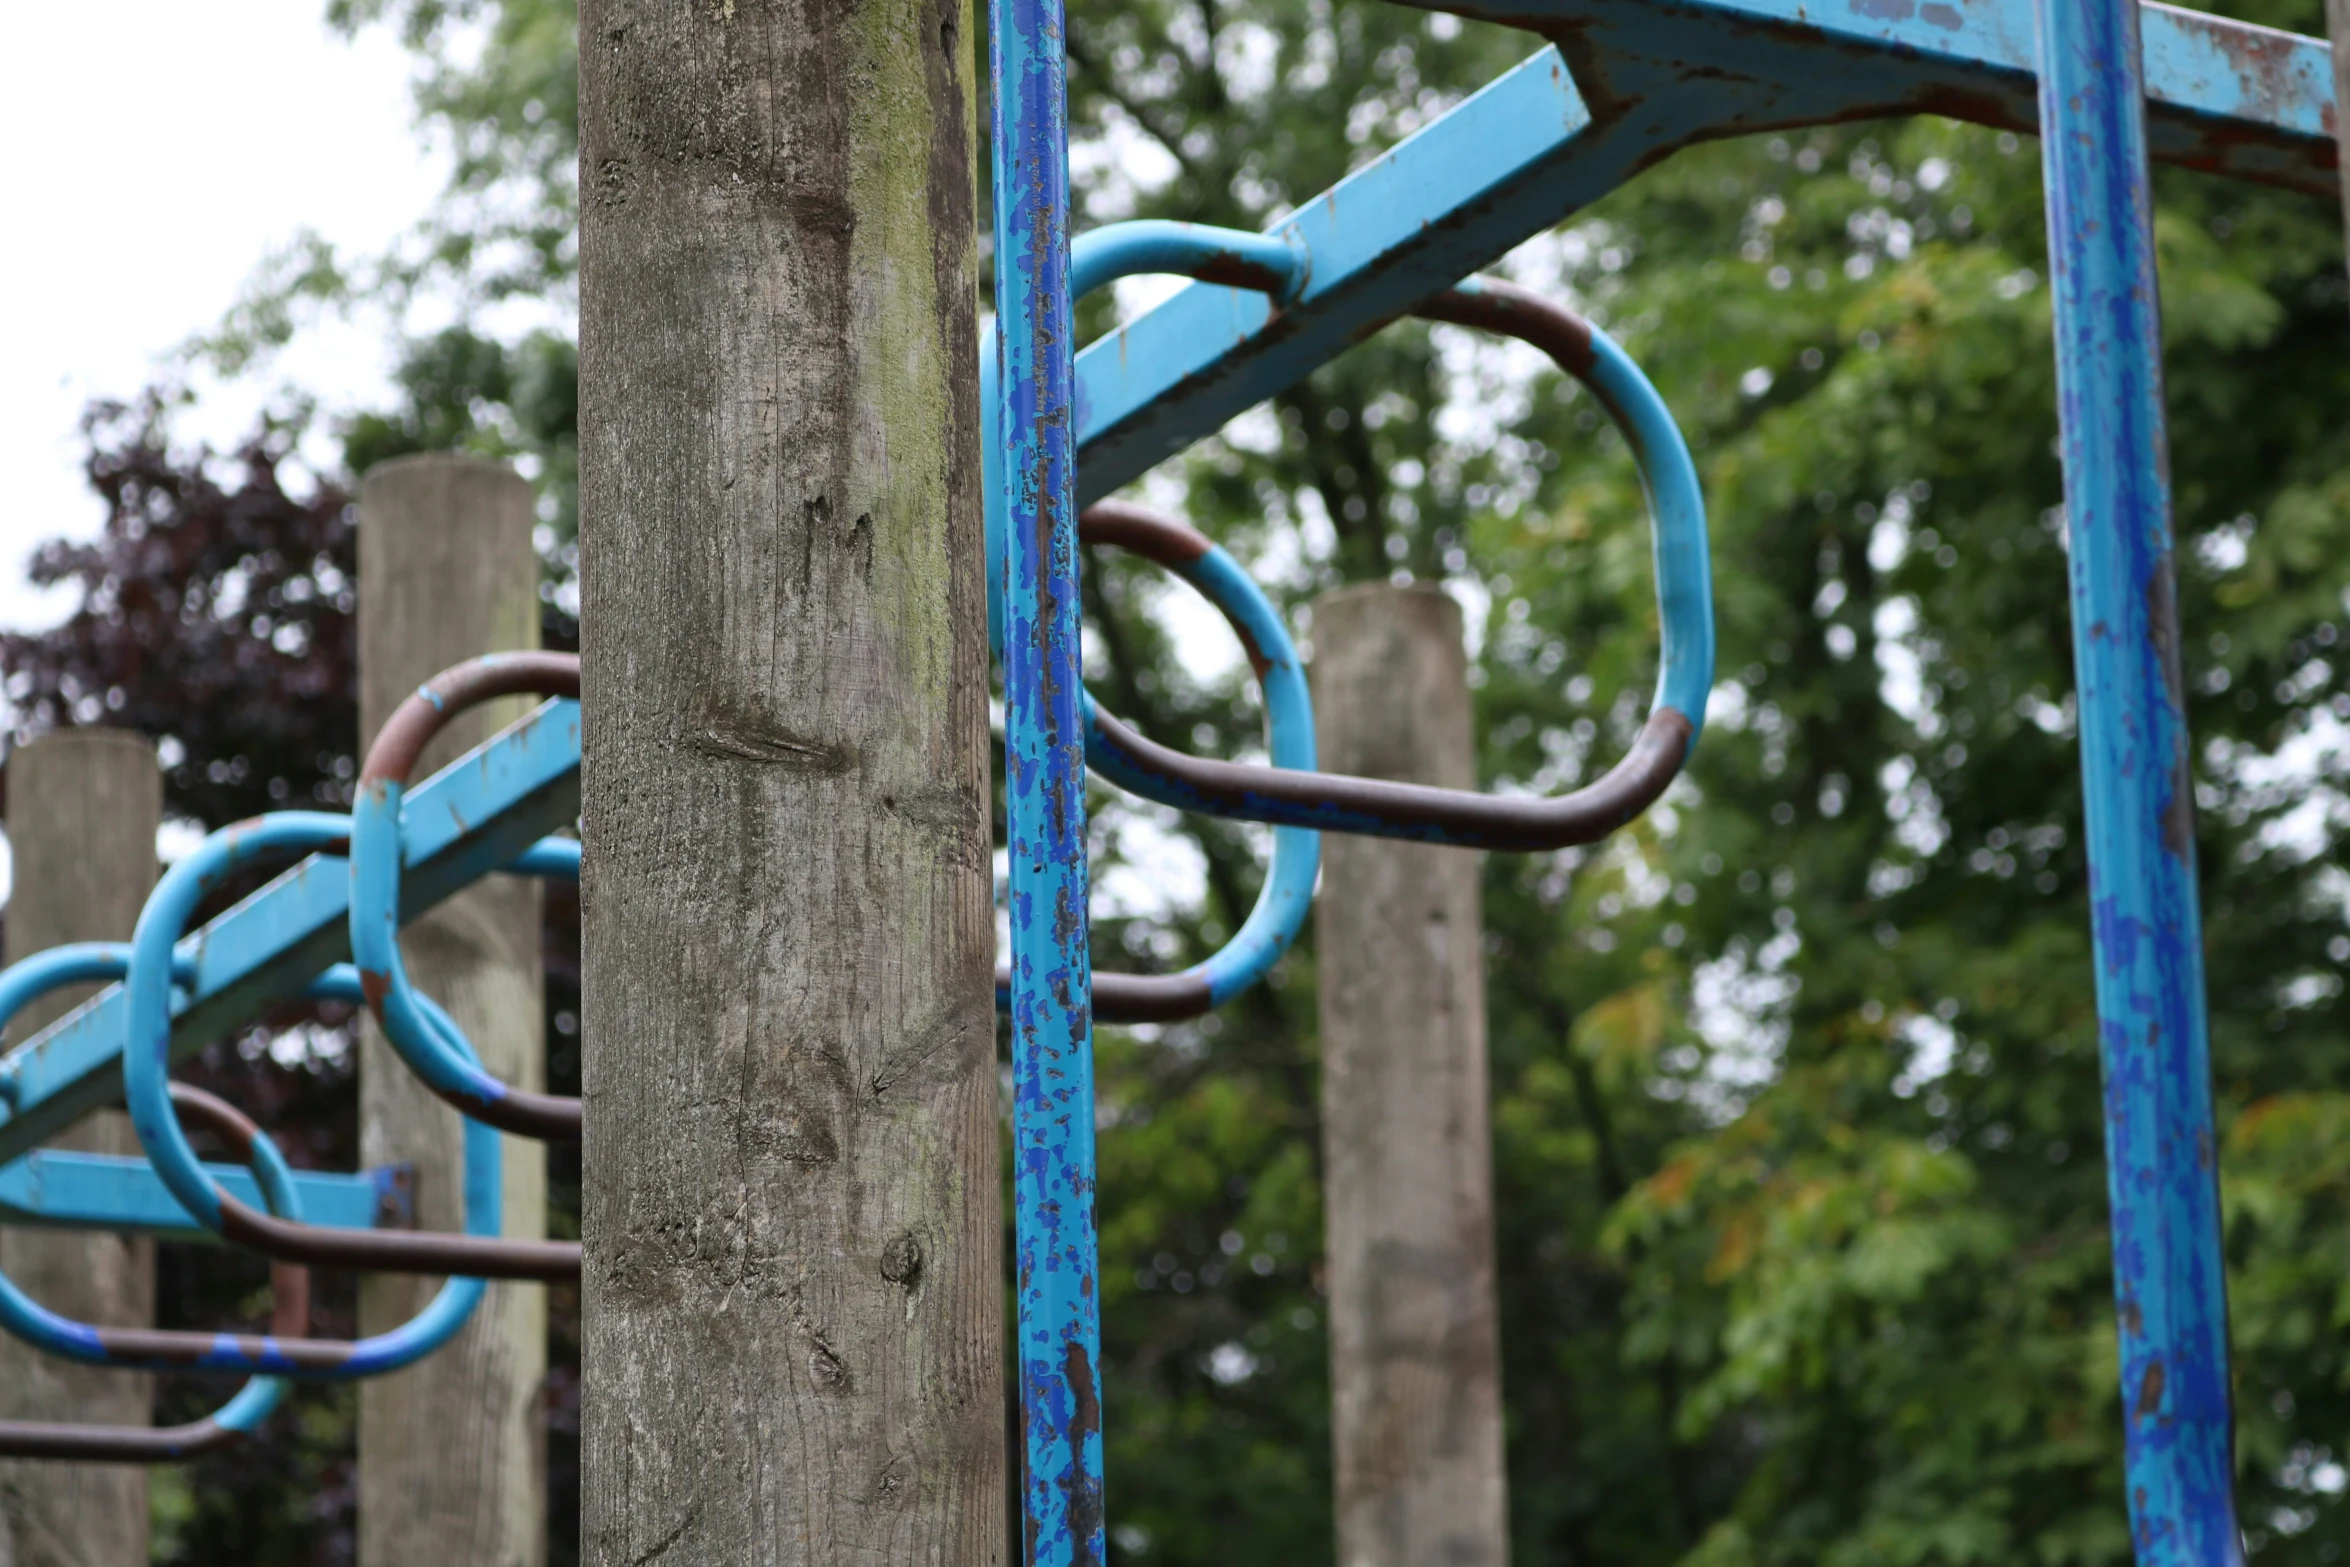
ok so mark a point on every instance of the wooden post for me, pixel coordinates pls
(792, 1309)
(1414, 1340)
(452, 1457)
(83, 806)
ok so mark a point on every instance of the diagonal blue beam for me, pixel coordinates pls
(1646, 79)
(477, 814)
(87, 1191)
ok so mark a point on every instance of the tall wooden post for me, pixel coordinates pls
(83, 806)
(1414, 1341)
(452, 1458)
(792, 1307)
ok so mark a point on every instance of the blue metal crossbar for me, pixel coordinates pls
(87, 1191)
(1631, 82)
(477, 815)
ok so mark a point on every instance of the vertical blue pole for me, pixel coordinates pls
(1059, 1330)
(2160, 1169)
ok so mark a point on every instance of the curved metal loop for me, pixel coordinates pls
(470, 1257)
(284, 1351)
(241, 1416)
(1337, 802)
(1288, 893)
(1266, 263)
(375, 889)
(1271, 265)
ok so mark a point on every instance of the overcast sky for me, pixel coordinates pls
(164, 148)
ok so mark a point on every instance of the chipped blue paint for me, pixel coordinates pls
(1058, 1337)
(2169, 1283)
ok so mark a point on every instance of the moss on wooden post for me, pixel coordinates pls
(792, 1308)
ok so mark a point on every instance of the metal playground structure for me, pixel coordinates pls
(1620, 85)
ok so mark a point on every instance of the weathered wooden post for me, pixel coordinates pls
(1414, 1340)
(792, 1306)
(452, 1459)
(83, 806)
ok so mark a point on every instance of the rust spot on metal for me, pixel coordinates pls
(1463, 817)
(1172, 544)
(224, 1120)
(1239, 272)
(1140, 531)
(289, 1305)
(1085, 1495)
(2150, 1391)
(415, 721)
(2162, 627)
(114, 1444)
(2262, 60)
(396, 1251)
(1511, 311)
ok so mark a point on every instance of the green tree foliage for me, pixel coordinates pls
(1797, 1133)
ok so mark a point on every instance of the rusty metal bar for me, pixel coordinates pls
(1339, 803)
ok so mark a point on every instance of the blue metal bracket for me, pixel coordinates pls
(84, 1191)
(476, 815)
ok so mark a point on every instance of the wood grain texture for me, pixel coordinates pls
(83, 806)
(1399, 933)
(792, 1307)
(452, 1457)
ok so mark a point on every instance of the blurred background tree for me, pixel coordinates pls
(1797, 1133)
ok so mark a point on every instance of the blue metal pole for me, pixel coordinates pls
(1059, 1329)
(2169, 1286)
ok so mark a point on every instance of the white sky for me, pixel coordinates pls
(164, 148)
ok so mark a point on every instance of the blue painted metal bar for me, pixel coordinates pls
(481, 812)
(82, 1191)
(2169, 1282)
(1648, 78)
(1058, 1341)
